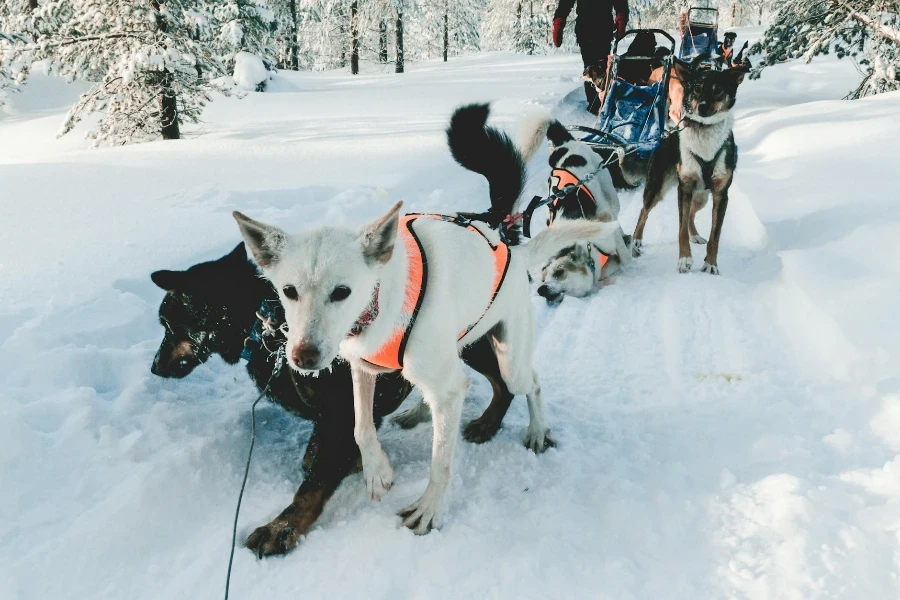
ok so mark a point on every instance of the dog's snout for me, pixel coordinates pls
(552, 297)
(174, 363)
(306, 356)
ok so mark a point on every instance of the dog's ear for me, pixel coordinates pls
(264, 241)
(736, 74)
(378, 237)
(170, 281)
(699, 60)
(683, 71)
(558, 134)
(238, 255)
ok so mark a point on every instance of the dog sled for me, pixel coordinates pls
(632, 117)
(634, 109)
(699, 36)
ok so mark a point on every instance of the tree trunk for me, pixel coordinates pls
(446, 29)
(398, 65)
(382, 41)
(354, 37)
(168, 105)
(760, 14)
(733, 12)
(295, 43)
(168, 102)
(531, 27)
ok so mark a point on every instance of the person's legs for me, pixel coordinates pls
(594, 51)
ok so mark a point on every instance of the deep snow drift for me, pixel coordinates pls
(734, 436)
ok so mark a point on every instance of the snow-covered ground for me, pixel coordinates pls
(719, 437)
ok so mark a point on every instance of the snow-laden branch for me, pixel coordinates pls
(881, 29)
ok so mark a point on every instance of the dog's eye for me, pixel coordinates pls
(290, 292)
(341, 292)
(559, 274)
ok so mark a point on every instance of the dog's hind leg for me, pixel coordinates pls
(444, 384)
(514, 346)
(480, 356)
(409, 418)
(537, 436)
(660, 178)
(377, 469)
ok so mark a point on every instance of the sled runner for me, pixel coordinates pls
(635, 99)
(699, 35)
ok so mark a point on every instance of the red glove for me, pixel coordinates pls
(558, 25)
(621, 25)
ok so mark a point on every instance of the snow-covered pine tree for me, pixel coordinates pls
(463, 26)
(521, 26)
(661, 14)
(151, 75)
(286, 33)
(240, 26)
(867, 31)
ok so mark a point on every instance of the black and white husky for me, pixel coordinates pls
(580, 268)
(700, 159)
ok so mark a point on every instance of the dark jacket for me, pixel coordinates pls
(594, 19)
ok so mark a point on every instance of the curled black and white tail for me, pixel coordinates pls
(488, 152)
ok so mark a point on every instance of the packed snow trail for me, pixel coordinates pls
(719, 437)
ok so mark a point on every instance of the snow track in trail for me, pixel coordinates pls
(719, 437)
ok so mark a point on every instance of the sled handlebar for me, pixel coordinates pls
(632, 32)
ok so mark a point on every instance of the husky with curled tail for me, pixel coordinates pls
(576, 270)
(409, 294)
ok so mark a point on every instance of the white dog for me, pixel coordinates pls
(583, 268)
(409, 294)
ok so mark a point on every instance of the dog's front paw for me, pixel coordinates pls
(423, 515)
(698, 239)
(481, 430)
(538, 440)
(711, 269)
(684, 264)
(636, 247)
(378, 474)
(278, 537)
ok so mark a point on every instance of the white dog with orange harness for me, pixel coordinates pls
(409, 293)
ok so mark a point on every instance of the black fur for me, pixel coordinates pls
(488, 152)
(557, 155)
(558, 134)
(574, 161)
(212, 306)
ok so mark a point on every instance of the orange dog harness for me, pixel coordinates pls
(390, 354)
(561, 179)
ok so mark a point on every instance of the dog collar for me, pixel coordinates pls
(368, 316)
(602, 258)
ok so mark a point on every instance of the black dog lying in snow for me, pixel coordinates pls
(211, 309)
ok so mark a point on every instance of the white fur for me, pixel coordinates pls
(601, 186)
(531, 133)
(459, 285)
(611, 243)
(704, 142)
